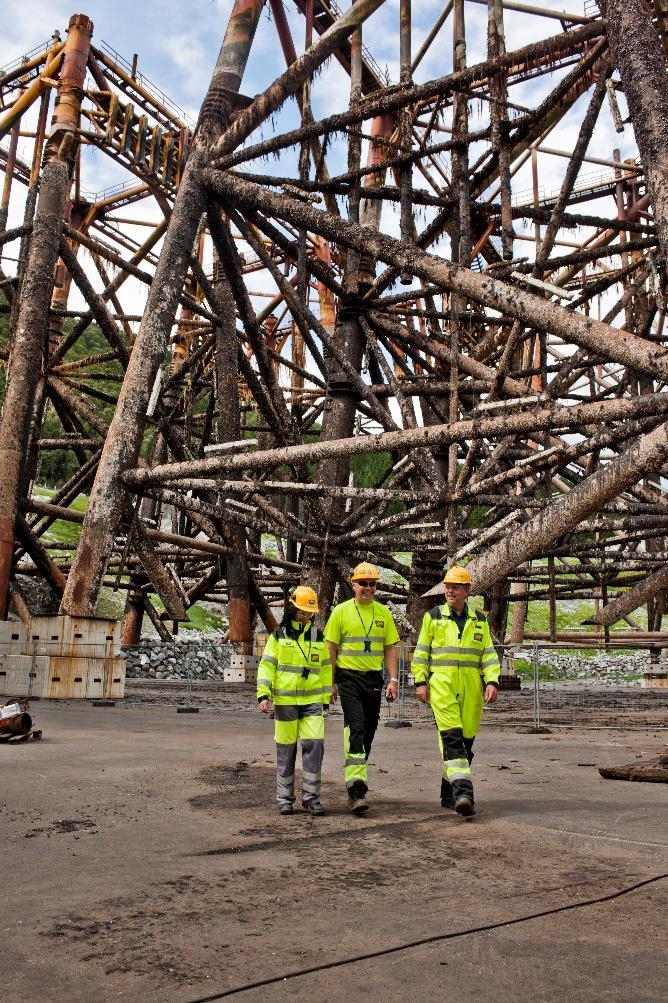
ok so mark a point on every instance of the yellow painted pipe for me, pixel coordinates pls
(36, 89)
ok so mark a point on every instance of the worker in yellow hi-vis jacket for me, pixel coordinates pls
(361, 637)
(455, 667)
(296, 672)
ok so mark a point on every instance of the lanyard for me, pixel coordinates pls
(307, 659)
(367, 630)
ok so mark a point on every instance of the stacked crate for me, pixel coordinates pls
(242, 669)
(62, 657)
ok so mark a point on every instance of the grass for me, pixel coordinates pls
(199, 619)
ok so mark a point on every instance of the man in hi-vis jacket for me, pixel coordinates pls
(361, 637)
(455, 667)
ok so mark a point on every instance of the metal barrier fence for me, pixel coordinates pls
(558, 684)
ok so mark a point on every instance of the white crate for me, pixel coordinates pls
(240, 675)
(13, 637)
(244, 661)
(15, 676)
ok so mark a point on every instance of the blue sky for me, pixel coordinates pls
(178, 44)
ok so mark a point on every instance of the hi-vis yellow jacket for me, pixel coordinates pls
(441, 650)
(295, 667)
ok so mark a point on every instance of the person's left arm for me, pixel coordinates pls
(391, 653)
(490, 668)
(326, 677)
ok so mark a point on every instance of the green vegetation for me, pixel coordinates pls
(199, 619)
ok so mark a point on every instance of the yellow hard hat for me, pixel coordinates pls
(365, 570)
(304, 598)
(457, 576)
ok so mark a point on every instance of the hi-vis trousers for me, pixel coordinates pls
(456, 698)
(293, 723)
(360, 696)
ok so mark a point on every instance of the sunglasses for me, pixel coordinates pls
(367, 585)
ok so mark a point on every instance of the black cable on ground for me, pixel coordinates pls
(435, 938)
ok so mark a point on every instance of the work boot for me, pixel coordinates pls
(359, 804)
(464, 806)
(286, 809)
(313, 808)
(447, 797)
(357, 794)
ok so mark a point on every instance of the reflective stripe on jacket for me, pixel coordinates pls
(361, 632)
(440, 649)
(280, 674)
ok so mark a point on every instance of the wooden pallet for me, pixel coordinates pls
(32, 736)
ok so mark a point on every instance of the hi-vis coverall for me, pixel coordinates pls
(361, 633)
(457, 668)
(296, 673)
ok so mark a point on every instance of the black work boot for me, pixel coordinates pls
(464, 805)
(358, 802)
(447, 797)
(313, 808)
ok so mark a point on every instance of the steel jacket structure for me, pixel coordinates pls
(457, 668)
(296, 672)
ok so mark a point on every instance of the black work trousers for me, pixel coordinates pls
(360, 694)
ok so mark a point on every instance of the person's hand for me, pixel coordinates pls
(391, 689)
(491, 693)
(422, 693)
(335, 693)
(264, 706)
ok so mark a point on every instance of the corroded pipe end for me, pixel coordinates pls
(20, 724)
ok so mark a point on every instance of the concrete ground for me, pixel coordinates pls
(143, 859)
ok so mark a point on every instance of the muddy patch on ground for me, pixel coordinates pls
(237, 785)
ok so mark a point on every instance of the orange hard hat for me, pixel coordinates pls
(365, 570)
(457, 576)
(304, 598)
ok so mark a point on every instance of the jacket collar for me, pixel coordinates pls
(467, 612)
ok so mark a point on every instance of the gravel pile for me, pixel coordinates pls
(199, 659)
(603, 667)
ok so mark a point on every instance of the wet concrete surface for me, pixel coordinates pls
(143, 859)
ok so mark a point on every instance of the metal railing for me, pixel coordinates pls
(556, 684)
(156, 92)
(560, 684)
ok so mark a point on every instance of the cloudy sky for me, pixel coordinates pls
(178, 44)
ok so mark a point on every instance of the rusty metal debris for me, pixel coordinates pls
(16, 725)
(654, 771)
(500, 353)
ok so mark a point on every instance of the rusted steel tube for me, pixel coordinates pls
(612, 343)
(288, 83)
(32, 316)
(9, 176)
(407, 439)
(20, 724)
(637, 51)
(29, 96)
